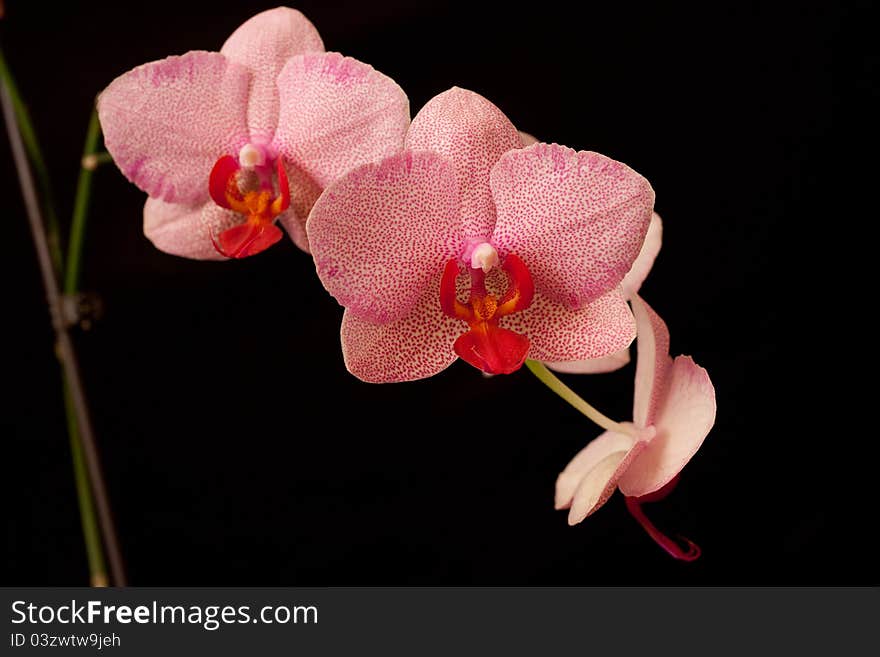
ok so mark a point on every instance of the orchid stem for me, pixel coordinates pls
(88, 468)
(91, 531)
(550, 380)
(35, 155)
(81, 206)
(90, 528)
(91, 158)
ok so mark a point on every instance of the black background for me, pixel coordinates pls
(239, 451)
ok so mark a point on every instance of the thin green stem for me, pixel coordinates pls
(81, 206)
(25, 145)
(35, 155)
(550, 380)
(91, 475)
(91, 531)
(91, 158)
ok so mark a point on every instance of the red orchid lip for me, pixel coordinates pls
(486, 345)
(246, 239)
(259, 231)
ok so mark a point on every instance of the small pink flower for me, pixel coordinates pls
(227, 144)
(673, 411)
(544, 235)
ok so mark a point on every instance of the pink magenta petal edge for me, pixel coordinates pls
(384, 231)
(577, 218)
(473, 134)
(683, 420)
(167, 122)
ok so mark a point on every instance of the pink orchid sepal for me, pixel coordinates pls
(273, 101)
(673, 412)
(465, 198)
(630, 285)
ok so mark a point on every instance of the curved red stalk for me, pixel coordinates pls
(686, 549)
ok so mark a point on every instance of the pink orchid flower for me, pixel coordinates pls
(673, 411)
(544, 235)
(228, 143)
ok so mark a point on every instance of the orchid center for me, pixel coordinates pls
(251, 156)
(247, 185)
(485, 344)
(485, 257)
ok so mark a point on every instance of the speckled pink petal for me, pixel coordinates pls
(584, 461)
(337, 114)
(473, 134)
(558, 334)
(415, 347)
(178, 229)
(598, 485)
(593, 365)
(526, 139)
(683, 421)
(384, 231)
(653, 362)
(632, 282)
(304, 191)
(167, 122)
(264, 43)
(578, 219)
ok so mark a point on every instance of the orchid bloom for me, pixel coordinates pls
(538, 238)
(228, 143)
(673, 411)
